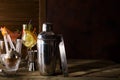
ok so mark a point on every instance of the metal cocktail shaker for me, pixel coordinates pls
(46, 46)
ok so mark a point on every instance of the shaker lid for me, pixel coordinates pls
(47, 26)
(47, 33)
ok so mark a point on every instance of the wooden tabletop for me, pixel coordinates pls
(78, 70)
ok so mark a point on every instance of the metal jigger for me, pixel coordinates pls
(31, 60)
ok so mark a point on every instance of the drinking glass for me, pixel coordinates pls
(10, 56)
(10, 61)
(29, 38)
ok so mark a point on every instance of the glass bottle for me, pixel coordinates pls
(29, 40)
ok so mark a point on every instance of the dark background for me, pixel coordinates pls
(90, 27)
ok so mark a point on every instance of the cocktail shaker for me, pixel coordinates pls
(47, 44)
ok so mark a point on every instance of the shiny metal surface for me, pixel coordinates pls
(31, 60)
(63, 57)
(46, 57)
(46, 46)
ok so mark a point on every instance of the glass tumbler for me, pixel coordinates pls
(12, 59)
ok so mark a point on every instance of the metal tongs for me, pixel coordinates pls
(63, 57)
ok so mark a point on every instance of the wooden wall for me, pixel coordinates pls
(14, 13)
(90, 27)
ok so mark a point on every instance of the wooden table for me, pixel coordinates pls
(78, 70)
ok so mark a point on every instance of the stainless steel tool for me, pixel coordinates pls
(63, 57)
(47, 44)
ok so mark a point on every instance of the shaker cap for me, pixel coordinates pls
(47, 26)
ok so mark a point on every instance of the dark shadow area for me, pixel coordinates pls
(113, 51)
(90, 67)
(112, 40)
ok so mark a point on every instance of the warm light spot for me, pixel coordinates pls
(3, 30)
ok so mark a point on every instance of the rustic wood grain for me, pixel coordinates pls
(17, 12)
(78, 70)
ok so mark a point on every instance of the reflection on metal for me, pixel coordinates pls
(47, 44)
(63, 57)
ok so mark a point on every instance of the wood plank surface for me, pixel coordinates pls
(78, 70)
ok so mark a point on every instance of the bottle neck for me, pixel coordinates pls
(24, 26)
(30, 27)
(27, 27)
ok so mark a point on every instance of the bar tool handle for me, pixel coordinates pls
(63, 58)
